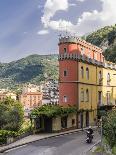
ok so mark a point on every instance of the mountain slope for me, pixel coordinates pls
(106, 39)
(33, 68)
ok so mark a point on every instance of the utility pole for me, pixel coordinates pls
(102, 134)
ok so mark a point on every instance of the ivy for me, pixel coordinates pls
(55, 110)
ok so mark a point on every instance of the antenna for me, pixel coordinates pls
(66, 30)
(63, 30)
(60, 29)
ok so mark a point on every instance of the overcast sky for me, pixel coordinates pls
(32, 26)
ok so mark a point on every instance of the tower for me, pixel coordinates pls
(68, 71)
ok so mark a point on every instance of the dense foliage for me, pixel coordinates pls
(34, 68)
(11, 115)
(109, 128)
(53, 110)
(106, 39)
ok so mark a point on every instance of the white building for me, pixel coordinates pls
(50, 91)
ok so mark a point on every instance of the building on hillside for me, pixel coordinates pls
(86, 79)
(50, 90)
(30, 98)
(30, 101)
(30, 88)
(4, 90)
(5, 94)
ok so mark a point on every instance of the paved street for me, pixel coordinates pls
(71, 144)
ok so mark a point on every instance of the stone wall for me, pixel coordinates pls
(56, 124)
(71, 121)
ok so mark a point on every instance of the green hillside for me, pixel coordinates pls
(34, 69)
(106, 39)
(37, 68)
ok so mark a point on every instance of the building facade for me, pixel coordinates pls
(86, 78)
(30, 98)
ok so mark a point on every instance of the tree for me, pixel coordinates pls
(109, 128)
(11, 115)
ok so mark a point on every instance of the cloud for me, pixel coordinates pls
(43, 32)
(87, 22)
(50, 8)
(90, 21)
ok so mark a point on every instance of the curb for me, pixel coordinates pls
(84, 153)
(47, 137)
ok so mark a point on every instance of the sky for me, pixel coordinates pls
(33, 26)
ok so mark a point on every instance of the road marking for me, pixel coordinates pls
(14, 148)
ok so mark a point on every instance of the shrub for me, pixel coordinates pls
(11, 115)
(109, 128)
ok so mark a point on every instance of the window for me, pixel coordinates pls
(73, 122)
(100, 77)
(82, 72)
(30, 97)
(108, 97)
(87, 73)
(82, 96)
(89, 54)
(95, 55)
(65, 73)
(87, 95)
(82, 50)
(34, 97)
(99, 98)
(65, 50)
(65, 99)
(108, 79)
(64, 122)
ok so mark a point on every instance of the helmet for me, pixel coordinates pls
(89, 127)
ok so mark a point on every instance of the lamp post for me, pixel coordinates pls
(101, 134)
(103, 113)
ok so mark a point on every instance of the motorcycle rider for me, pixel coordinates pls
(89, 135)
(90, 130)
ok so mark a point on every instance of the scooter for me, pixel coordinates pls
(89, 137)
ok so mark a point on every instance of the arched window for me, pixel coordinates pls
(82, 95)
(65, 99)
(82, 50)
(65, 50)
(87, 73)
(65, 72)
(108, 78)
(100, 77)
(82, 72)
(87, 95)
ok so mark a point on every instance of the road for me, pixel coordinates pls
(71, 144)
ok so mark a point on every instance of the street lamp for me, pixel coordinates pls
(101, 134)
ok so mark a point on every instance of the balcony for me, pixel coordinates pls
(101, 81)
(108, 82)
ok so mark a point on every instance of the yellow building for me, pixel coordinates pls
(4, 95)
(86, 79)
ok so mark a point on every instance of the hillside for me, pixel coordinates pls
(34, 69)
(37, 68)
(106, 39)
